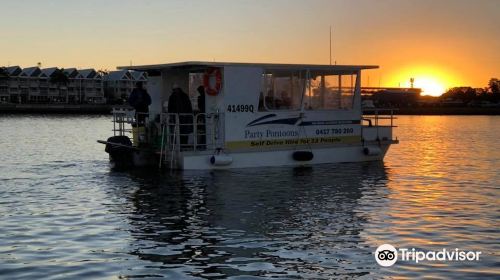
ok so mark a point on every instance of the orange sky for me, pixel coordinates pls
(440, 43)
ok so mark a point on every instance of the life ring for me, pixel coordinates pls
(213, 91)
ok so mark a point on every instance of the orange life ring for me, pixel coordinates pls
(218, 81)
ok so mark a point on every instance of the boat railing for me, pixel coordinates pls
(379, 117)
(190, 131)
(379, 123)
(124, 118)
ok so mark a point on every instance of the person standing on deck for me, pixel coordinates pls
(179, 103)
(139, 99)
(201, 99)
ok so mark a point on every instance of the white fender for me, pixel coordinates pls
(221, 160)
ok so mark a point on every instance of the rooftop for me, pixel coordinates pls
(195, 64)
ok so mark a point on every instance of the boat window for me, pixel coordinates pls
(330, 92)
(281, 90)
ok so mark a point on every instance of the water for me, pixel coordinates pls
(65, 215)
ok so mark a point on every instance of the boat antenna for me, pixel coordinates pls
(330, 45)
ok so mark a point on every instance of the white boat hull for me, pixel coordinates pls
(282, 158)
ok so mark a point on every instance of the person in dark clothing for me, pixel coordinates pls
(139, 99)
(179, 103)
(201, 99)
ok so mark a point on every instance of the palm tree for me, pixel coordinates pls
(60, 79)
(107, 94)
(103, 72)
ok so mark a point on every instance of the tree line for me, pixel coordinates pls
(490, 93)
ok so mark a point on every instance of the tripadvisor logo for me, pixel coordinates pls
(387, 255)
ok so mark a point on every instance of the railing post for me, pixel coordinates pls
(177, 132)
(120, 125)
(195, 131)
(392, 112)
(114, 123)
(215, 130)
(161, 143)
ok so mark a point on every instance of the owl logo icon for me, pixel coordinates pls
(386, 255)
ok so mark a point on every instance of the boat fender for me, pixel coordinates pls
(213, 91)
(221, 160)
(372, 151)
(302, 155)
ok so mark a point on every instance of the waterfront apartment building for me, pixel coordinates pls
(81, 86)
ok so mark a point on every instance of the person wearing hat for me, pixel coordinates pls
(179, 103)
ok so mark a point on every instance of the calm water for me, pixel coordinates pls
(65, 215)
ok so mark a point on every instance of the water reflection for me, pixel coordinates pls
(261, 222)
(65, 215)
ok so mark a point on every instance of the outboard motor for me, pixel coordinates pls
(120, 156)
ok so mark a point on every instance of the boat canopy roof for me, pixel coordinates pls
(268, 66)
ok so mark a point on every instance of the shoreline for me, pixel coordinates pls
(461, 111)
(56, 108)
(106, 109)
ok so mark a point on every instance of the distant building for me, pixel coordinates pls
(92, 85)
(49, 92)
(13, 82)
(29, 83)
(392, 97)
(34, 85)
(119, 84)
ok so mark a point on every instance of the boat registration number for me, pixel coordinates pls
(242, 108)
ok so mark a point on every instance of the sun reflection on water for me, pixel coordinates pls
(443, 184)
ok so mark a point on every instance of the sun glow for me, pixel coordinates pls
(432, 80)
(429, 86)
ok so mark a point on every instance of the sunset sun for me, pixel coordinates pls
(432, 79)
(430, 86)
